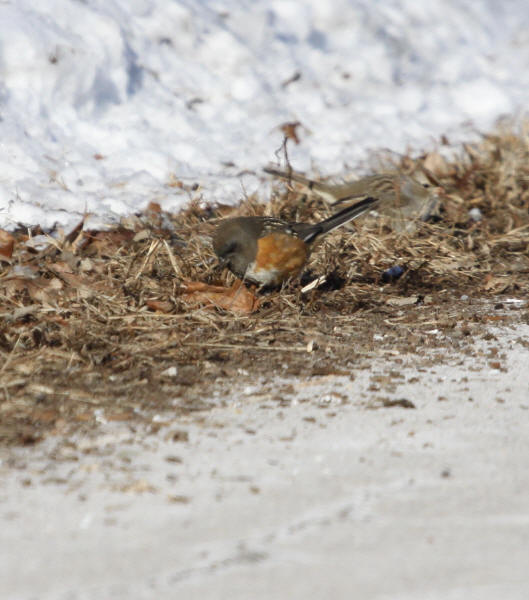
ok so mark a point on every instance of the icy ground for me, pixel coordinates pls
(106, 105)
(321, 499)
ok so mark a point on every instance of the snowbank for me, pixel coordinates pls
(105, 106)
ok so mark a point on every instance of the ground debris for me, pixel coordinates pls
(140, 320)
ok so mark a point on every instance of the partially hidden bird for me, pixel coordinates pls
(401, 199)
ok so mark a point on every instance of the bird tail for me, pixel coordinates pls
(341, 218)
(293, 176)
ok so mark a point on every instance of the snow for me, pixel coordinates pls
(104, 104)
(323, 499)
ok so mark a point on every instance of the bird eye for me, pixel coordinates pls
(229, 249)
(426, 185)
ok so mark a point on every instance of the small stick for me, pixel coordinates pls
(153, 247)
(172, 258)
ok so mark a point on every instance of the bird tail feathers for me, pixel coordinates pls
(341, 218)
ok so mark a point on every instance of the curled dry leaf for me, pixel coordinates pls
(160, 305)
(237, 299)
(107, 243)
(290, 131)
(7, 243)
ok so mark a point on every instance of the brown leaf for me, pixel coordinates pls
(160, 305)
(107, 243)
(290, 131)
(199, 286)
(7, 243)
(237, 299)
(154, 207)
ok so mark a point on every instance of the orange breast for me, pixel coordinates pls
(279, 256)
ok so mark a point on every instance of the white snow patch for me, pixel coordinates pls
(103, 104)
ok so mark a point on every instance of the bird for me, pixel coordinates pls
(401, 199)
(267, 251)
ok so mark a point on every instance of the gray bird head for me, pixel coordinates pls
(235, 243)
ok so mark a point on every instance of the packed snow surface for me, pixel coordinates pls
(106, 105)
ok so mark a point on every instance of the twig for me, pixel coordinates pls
(154, 245)
(172, 259)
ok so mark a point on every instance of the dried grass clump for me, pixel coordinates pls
(98, 325)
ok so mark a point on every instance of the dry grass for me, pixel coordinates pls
(93, 326)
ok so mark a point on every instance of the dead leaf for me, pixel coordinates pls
(199, 286)
(237, 299)
(290, 131)
(7, 243)
(160, 305)
(107, 243)
(154, 207)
